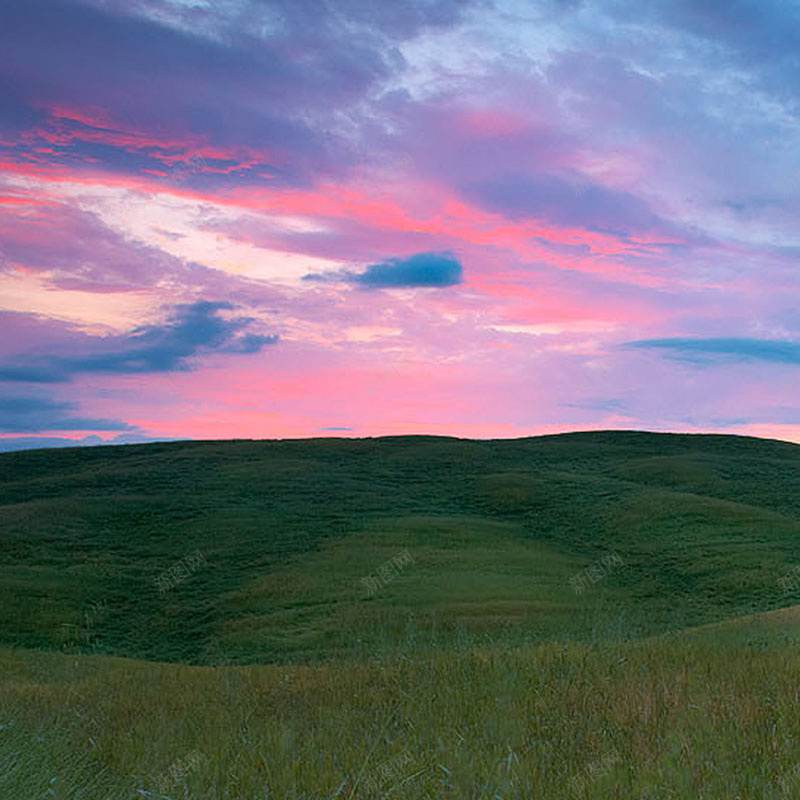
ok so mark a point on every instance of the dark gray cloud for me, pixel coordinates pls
(14, 443)
(420, 270)
(191, 329)
(732, 349)
(30, 405)
(44, 423)
(22, 414)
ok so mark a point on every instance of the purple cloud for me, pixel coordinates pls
(152, 348)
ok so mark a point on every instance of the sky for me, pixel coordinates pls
(235, 219)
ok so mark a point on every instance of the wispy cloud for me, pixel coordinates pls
(730, 349)
(151, 348)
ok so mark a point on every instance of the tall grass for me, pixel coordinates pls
(709, 714)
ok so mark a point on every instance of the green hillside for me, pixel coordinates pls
(287, 530)
(475, 672)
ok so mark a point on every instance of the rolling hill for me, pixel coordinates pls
(488, 618)
(285, 531)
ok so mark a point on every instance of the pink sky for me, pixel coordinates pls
(485, 220)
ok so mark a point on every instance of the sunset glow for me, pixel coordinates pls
(248, 220)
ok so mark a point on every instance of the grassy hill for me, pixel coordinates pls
(477, 660)
(704, 526)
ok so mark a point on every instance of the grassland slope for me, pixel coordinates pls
(704, 526)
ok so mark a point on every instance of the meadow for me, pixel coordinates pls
(583, 615)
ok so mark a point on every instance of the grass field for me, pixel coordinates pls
(273, 670)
